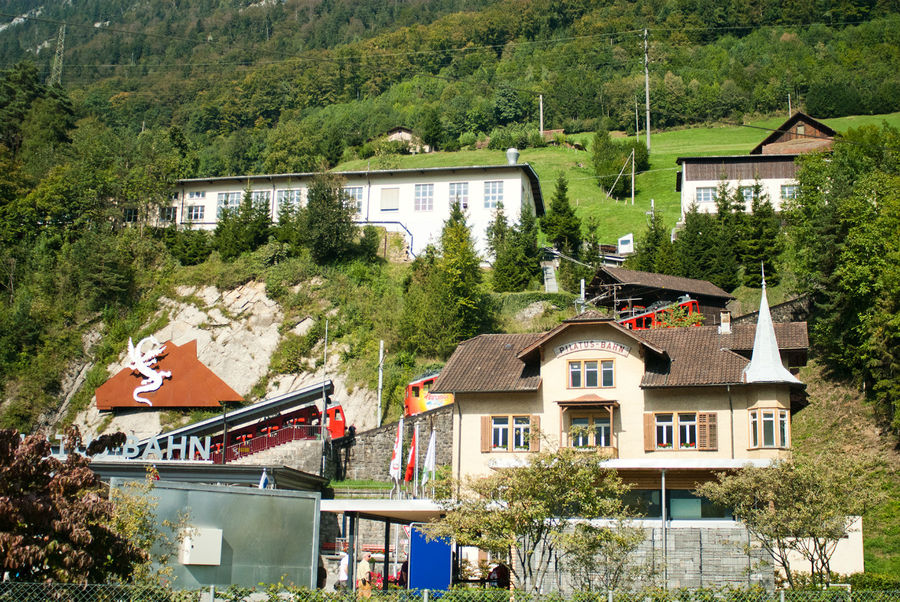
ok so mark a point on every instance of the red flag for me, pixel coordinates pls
(411, 462)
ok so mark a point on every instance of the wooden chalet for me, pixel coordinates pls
(620, 288)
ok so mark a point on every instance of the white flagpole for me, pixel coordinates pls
(416, 462)
(397, 459)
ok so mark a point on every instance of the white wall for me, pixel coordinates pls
(420, 227)
(689, 192)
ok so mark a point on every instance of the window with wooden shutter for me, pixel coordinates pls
(707, 431)
(485, 434)
(649, 441)
(534, 440)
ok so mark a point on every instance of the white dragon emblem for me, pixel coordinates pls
(142, 363)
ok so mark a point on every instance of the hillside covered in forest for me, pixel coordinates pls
(104, 105)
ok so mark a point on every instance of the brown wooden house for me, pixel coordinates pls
(618, 288)
(772, 163)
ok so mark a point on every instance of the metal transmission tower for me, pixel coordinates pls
(56, 69)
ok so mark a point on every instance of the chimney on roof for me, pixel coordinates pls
(725, 322)
(512, 156)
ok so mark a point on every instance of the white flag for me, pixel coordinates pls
(396, 458)
(428, 467)
(264, 480)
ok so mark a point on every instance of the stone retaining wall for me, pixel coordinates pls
(367, 455)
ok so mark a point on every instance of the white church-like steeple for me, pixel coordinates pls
(765, 364)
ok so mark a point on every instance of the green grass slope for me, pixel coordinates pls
(616, 218)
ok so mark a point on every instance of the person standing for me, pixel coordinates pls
(343, 568)
(364, 576)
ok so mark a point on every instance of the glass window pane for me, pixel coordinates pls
(590, 374)
(601, 432)
(521, 431)
(500, 431)
(768, 429)
(783, 429)
(574, 374)
(687, 431)
(754, 430)
(579, 432)
(607, 367)
(664, 430)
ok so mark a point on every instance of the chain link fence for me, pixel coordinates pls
(51, 592)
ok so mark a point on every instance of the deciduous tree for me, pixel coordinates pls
(55, 521)
(523, 512)
(803, 506)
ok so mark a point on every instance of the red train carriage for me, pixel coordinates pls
(653, 317)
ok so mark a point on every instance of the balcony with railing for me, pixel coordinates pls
(271, 437)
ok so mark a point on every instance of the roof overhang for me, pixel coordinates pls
(653, 463)
(587, 401)
(787, 157)
(397, 511)
(527, 351)
(282, 477)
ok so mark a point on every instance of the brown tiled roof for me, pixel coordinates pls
(679, 357)
(489, 362)
(701, 356)
(663, 281)
(586, 317)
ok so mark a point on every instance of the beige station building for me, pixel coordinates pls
(668, 407)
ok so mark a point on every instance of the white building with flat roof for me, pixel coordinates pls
(412, 202)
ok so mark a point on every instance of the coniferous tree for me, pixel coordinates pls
(498, 232)
(329, 230)
(445, 302)
(560, 224)
(695, 245)
(654, 253)
(243, 229)
(527, 238)
(725, 262)
(607, 158)
(761, 242)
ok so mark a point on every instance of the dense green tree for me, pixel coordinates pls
(654, 252)
(761, 244)
(498, 232)
(432, 132)
(329, 232)
(695, 248)
(842, 231)
(291, 148)
(560, 224)
(243, 229)
(445, 301)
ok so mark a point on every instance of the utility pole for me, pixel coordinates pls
(647, 86)
(632, 176)
(541, 102)
(56, 68)
(637, 123)
(790, 110)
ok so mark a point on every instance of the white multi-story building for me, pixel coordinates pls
(772, 163)
(413, 202)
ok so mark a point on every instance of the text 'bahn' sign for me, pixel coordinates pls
(172, 448)
(593, 345)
